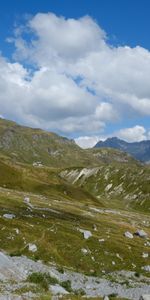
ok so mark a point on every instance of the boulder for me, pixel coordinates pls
(32, 247)
(128, 234)
(86, 233)
(141, 233)
(9, 216)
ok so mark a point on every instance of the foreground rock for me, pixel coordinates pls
(145, 297)
(141, 233)
(128, 234)
(18, 268)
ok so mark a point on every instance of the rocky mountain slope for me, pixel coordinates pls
(139, 150)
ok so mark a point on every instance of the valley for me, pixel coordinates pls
(73, 222)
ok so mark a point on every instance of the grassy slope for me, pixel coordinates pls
(55, 230)
(61, 207)
(124, 186)
(29, 145)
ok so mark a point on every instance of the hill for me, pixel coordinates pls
(39, 147)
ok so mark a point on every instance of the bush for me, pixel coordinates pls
(60, 270)
(43, 279)
(136, 274)
(67, 285)
(113, 295)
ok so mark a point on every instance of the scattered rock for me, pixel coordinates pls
(32, 247)
(9, 216)
(141, 233)
(146, 268)
(37, 164)
(144, 255)
(147, 244)
(108, 187)
(101, 240)
(128, 235)
(87, 234)
(26, 199)
(84, 251)
(95, 227)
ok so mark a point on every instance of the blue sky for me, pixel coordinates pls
(108, 50)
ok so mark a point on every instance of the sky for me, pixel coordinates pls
(78, 68)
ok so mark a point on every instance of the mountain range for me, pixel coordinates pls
(139, 150)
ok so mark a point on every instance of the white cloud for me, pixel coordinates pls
(59, 38)
(105, 111)
(133, 134)
(76, 81)
(87, 141)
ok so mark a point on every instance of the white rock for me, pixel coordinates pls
(84, 251)
(147, 244)
(144, 255)
(101, 240)
(146, 268)
(26, 199)
(108, 187)
(87, 234)
(9, 216)
(32, 247)
(128, 235)
(17, 230)
(95, 227)
(57, 289)
(141, 233)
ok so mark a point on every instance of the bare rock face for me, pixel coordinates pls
(8, 270)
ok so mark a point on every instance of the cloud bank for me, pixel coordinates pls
(66, 77)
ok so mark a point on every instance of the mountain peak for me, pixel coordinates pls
(139, 150)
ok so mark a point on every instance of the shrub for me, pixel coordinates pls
(67, 285)
(43, 279)
(60, 270)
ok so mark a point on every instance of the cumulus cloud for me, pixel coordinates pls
(133, 134)
(67, 78)
(88, 141)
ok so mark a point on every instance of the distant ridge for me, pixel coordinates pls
(139, 150)
(42, 148)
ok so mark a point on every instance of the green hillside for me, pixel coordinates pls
(34, 146)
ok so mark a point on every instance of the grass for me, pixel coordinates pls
(58, 240)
